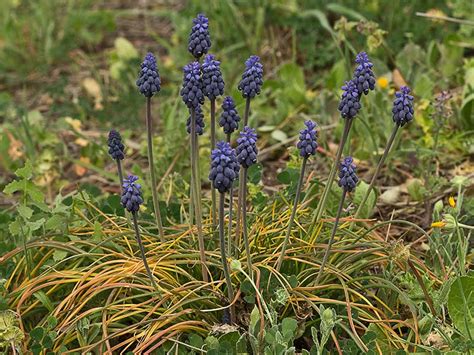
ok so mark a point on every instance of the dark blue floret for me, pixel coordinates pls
(212, 82)
(363, 75)
(252, 78)
(349, 105)
(403, 107)
(191, 91)
(229, 120)
(149, 78)
(199, 39)
(116, 147)
(199, 116)
(131, 194)
(247, 147)
(347, 174)
(224, 167)
(307, 143)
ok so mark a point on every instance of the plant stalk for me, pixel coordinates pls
(142, 251)
(244, 225)
(196, 194)
(333, 233)
(292, 216)
(231, 203)
(332, 174)
(151, 164)
(377, 170)
(230, 290)
(213, 146)
(247, 111)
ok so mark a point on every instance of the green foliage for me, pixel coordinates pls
(461, 304)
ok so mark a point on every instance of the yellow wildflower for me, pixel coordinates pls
(439, 224)
(382, 82)
(452, 202)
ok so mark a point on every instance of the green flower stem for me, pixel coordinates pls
(377, 170)
(213, 146)
(231, 203)
(423, 287)
(332, 175)
(120, 173)
(195, 177)
(238, 215)
(292, 216)
(142, 250)
(244, 225)
(241, 181)
(151, 164)
(230, 290)
(247, 111)
(333, 233)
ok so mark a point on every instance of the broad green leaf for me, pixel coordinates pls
(288, 327)
(34, 192)
(359, 195)
(14, 186)
(461, 303)
(26, 171)
(254, 319)
(25, 211)
(255, 173)
(37, 333)
(15, 227)
(35, 225)
(54, 222)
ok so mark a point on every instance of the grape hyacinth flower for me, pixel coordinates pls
(347, 175)
(212, 81)
(193, 97)
(349, 105)
(403, 107)
(307, 146)
(116, 151)
(131, 201)
(247, 148)
(213, 87)
(229, 120)
(199, 122)
(250, 86)
(246, 156)
(223, 172)
(251, 82)
(199, 40)
(191, 91)
(364, 77)
(402, 114)
(148, 84)
(307, 143)
(347, 181)
(224, 167)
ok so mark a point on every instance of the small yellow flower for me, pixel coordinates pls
(382, 82)
(452, 202)
(439, 224)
